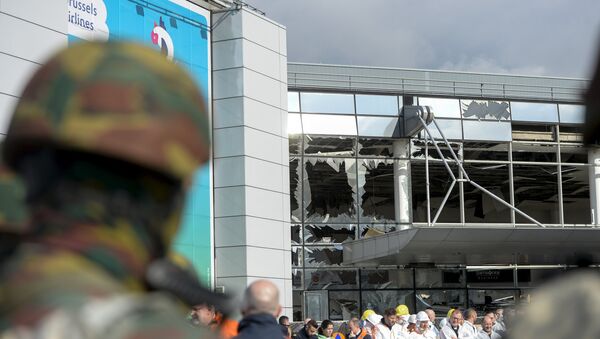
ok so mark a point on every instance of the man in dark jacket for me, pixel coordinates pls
(309, 331)
(260, 310)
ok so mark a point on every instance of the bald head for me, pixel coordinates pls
(430, 314)
(262, 296)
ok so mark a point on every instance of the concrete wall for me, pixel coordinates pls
(251, 164)
(31, 31)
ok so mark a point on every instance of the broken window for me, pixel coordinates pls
(295, 189)
(376, 147)
(378, 301)
(417, 149)
(441, 300)
(437, 277)
(534, 152)
(491, 151)
(298, 305)
(295, 144)
(376, 190)
(329, 234)
(479, 206)
(536, 193)
(439, 181)
(343, 305)
(371, 230)
(576, 194)
(296, 237)
(296, 256)
(330, 190)
(576, 154)
(329, 145)
(485, 109)
(297, 278)
(484, 300)
(386, 279)
(331, 279)
(320, 256)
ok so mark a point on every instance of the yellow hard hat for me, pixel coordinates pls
(450, 312)
(366, 314)
(402, 310)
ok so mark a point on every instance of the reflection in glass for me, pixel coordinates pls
(378, 127)
(375, 147)
(386, 279)
(436, 277)
(417, 149)
(297, 278)
(327, 103)
(298, 305)
(331, 279)
(485, 109)
(573, 154)
(489, 151)
(294, 124)
(343, 305)
(487, 130)
(440, 300)
(328, 124)
(377, 104)
(295, 189)
(330, 190)
(572, 114)
(486, 300)
(376, 193)
(295, 144)
(329, 145)
(491, 278)
(479, 206)
(537, 277)
(576, 194)
(534, 111)
(440, 182)
(536, 193)
(445, 108)
(371, 230)
(296, 256)
(536, 152)
(380, 300)
(293, 102)
(452, 129)
(319, 256)
(329, 234)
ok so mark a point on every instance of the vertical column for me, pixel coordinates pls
(594, 160)
(402, 196)
(251, 160)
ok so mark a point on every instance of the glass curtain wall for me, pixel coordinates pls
(341, 189)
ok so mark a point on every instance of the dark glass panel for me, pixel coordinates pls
(440, 182)
(535, 152)
(436, 277)
(320, 256)
(377, 194)
(481, 207)
(576, 194)
(536, 193)
(343, 305)
(485, 151)
(331, 279)
(380, 300)
(441, 300)
(329, 233)
(329, 145)
(386, 279)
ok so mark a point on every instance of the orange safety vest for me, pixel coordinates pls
(363, 333)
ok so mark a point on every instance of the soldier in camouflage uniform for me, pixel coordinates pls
(105, 137)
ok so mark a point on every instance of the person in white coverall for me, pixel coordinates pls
(387, 328)
(423, 326)
(469, 323)
(455, 329)
(487, 331)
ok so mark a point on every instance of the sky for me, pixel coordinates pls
(527, 37)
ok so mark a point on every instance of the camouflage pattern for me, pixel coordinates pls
(92, 98)
(80, 271)
(13, 213)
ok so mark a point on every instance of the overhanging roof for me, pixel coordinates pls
(476, 246)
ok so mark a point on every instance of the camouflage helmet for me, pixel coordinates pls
(13, 210)
(116, 99)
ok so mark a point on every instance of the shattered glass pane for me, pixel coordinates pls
(378, 301)
(330, 190)
(343, 305)
(441, 300)
(376, 190)
(576, 194)
(437, 277)
(484, 300)
(329, 234)
(386, 279)
(417, 149)
(535, 152)
(485, 151)
(440, 181)
(331, 279)
(297, 278)
(295, 190)
(485, 109)
(296, 256)
(320, 256)
(367, 231)
(296, 237)
(329, 145)
(479, 206)
(536, 193)
(375, 147)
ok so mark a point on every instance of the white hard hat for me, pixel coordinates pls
(422, 316)
(374, 318)
(412, 319)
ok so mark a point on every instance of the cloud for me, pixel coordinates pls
(538, 37)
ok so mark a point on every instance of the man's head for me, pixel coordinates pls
(284, 320)
(327, 328)
(312, 328)
(354, 325)
(431, 314)
(389, 316)
(491, 315)
(203, 314)
(487, 324)
(261, 296)
(471, 315)
(423, 320)
(456, 319)
(499, 313)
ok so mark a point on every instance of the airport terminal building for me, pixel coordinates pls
(351, 187)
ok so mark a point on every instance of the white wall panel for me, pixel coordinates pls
(261, 60)
(261, 116)
(231, 261)
(228, 54)
(48, 13)
(264, 174)
(230, 231)
(15, 74)
(7, 105)
(262, 203)
(264, 233)
(30, 42)
(230, 201)
(228, 142)
(262, 145)
(231, 171)
(257, 267)
(228, 83)
(260, 30)
(228, 112)
(262, 88)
